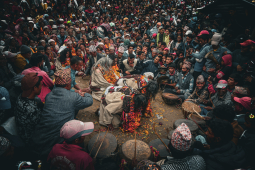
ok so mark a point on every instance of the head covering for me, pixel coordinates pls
(111, 47)
(45, 27)
(154, 35)
(227, 60)
(28, 82)
(200, 79)
(240, 90)
(247, 43)
(77, 29)
(166, 49)
(121, 49)
(188, 32)
(203, 32)
(181, 138)
(92, 48)
(82, 29)
(51, 40)
(74, 129)
(222, 84)
(244, 101)
(54, 27)
(63, 77)
(25, 49)
(5, 102)
(187, 64)
(4, 145)
(216, 39)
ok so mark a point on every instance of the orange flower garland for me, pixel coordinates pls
(67, 63)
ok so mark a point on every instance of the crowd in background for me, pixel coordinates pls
(206, 59)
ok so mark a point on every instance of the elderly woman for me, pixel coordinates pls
(102, 76)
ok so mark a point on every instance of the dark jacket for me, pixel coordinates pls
(60, 107)
(92, 62)
(226, 157)
(150, 66)
(240, 59)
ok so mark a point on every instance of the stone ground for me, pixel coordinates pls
(145, 132)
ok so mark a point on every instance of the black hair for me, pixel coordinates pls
(163, 43)
(225, 112)
(63, 53)
(140, 100)
(130, 46)
(131, 56)
(61, 85)
(100, 48)
(222, 129)
(168, 56)
(39, 81)
(237, 77)
(35, 59)
(179, 154)
(75, 60)
(205, 37)
(190, 36)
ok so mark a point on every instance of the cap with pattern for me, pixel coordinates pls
(200, 79)
(63, 77)
(181, 138)
(92, 48)
(121, 49)
(222, 84)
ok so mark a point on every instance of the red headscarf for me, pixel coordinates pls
(227, 60)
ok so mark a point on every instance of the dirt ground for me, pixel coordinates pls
(145, 132)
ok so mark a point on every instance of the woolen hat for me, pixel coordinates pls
(28, 82)
(121, 49)
(181, 138)
(25, 49)
(63, 77)
(5, 102)
(74, 129)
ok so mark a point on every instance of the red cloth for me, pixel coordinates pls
(227, 60)
(46, 81)
(69, 156)
(211, 89)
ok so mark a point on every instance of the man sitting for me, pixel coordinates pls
(219, 146)
(23, 58)
(93, 58)
(185, 81)
(222, 96)
(151, 66)
(200, 93)
(27, 110)
(76, 65)
(61, 106)
(74, 132)
(129, 65)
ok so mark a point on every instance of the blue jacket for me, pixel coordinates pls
(60, 39)
(150, 66)
(184, 46)
(217, 54)
(198, 67)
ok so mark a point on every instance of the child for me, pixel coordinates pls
(172, 76)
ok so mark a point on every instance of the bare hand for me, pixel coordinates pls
(211, 70)
(207, 146)
(84, 75)
(127, 72)
(249, 78)
(178, 91)
(86, 90)
(208, 108)
(209, 80)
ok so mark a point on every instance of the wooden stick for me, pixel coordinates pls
(160, 138)
(198, 113)
(95, 143)
(135, 147)
(101, 143)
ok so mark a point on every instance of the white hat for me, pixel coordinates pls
(54, 27)
(62, 26)
(121, 49)
(31, 22)
(51, 40)
(29, 19)
(216, 39)
(188, 32)
(82, 28)
(61, 19)
(77, 29)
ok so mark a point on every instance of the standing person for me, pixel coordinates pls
(203, 38)
(61, 106)
(27, 112)
(74, 132)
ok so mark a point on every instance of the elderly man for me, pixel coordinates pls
(222, 96)
(61, 106)
(200, 93)
(185, 81)
(93, 58)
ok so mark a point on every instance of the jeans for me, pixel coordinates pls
(203, 110)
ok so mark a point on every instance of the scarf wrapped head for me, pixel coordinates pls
(105, 63)
(200, 79)
(227, 60)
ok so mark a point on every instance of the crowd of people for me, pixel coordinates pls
(204, 59)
